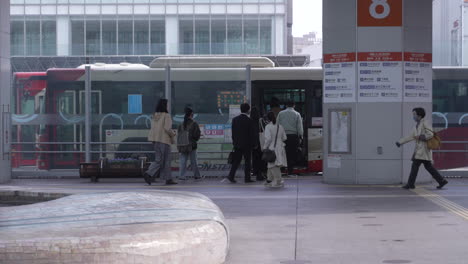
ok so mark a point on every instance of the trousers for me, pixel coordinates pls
(428, 165)
(162, 162)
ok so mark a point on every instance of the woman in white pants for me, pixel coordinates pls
(274, 140)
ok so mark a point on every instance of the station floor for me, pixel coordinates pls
(311, 222)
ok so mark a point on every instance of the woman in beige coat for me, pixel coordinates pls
(422, 154)
(162, 136)
(275, 132)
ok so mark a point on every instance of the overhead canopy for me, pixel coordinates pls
(212, 62)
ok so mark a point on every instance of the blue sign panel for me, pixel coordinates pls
(135, 104)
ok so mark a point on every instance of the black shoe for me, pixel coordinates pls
(147, 178)
(248, 181)
(407, 187)
(170, 182)
(442, 184)
(231, 180)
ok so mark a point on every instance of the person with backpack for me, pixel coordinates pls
(188, 134)
(421, 133)
(162, 136)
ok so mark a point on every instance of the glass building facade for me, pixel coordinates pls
(149, 27)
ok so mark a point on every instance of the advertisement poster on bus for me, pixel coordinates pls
(379, 77)
(418, 77)
(339, 78)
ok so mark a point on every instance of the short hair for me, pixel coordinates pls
(245, 107)
(272, 117)
(420, 111)
(290, 103)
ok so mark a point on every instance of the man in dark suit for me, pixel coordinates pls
(243, 141)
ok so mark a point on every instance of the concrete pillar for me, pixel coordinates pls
(172, 35)
(5, 92)
(63, 36)
(377, 68)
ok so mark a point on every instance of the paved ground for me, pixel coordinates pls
(311, 222)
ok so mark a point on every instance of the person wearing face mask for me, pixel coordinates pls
(421, 133)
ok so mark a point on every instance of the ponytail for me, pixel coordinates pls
(188, 113)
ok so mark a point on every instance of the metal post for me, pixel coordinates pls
(248, 83)
(88, 114)
(167, 92)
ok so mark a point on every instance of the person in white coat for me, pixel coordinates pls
(274, 131)
(421, 133)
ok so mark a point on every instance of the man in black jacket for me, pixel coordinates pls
(243, 141)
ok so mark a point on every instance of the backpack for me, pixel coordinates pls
(183, 139)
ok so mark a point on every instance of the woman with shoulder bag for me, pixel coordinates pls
(422, 154)
(188, 134)
(274, 140)
(162, 136)
(259, 166)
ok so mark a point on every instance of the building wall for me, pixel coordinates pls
(5, 91)
(143, 27)
(447, 31)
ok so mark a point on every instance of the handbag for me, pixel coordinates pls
(269, 155)
(434, 142)
(261, 135)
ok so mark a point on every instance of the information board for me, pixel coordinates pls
(226, 98)
(379, 77)
(418, 77)
(339, 72)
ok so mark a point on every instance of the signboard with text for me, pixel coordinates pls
(418, 77)
(380, 13)
(379, 77)
(339, 78)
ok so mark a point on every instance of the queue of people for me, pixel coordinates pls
(252, 134)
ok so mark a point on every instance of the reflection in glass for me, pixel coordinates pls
(141, 37)
(186, 37)
(234, 36)
(210, 100)
(125, 37)
(202, 37)
(265, 36)
(109, 37)
(77, 37)
(218, 36)
(49, 38)
(33, 29)
(158, 37)
(251, 36)
(93, 37)
(17, 38)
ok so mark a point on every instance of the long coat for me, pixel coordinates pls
(161, 129)
(243, 134)
(421, 152)
(270, 134)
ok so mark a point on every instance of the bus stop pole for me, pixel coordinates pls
(167, 89)
(88, 114)
(248, 83)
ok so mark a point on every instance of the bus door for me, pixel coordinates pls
(307, 98)
(65, 107)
